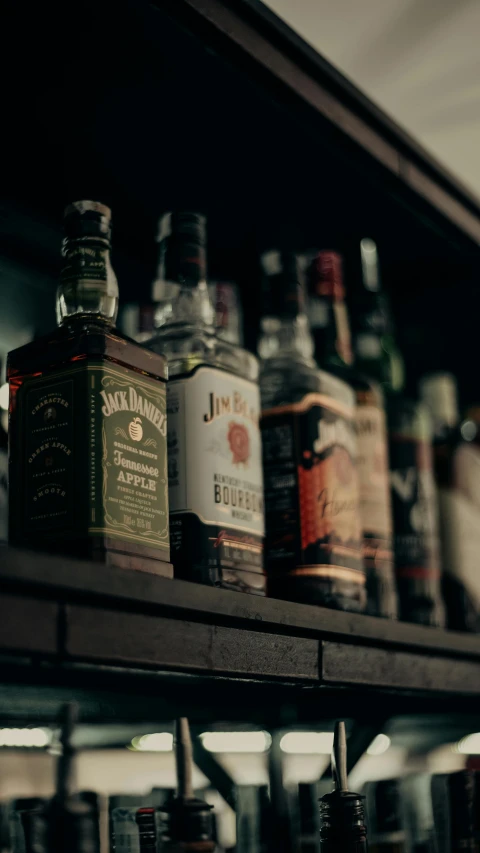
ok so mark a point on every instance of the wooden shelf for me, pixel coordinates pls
(74, 613)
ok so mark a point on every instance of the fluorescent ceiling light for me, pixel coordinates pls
(307, 743)
(30, 738)
(155, 742)
(469, 745)
(379, 745)
(236, 741)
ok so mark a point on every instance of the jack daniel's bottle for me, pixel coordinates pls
(331, 333)
(215, 471)
(88, 420)
(313, 547)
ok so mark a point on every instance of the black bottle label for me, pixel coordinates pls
(311, 490)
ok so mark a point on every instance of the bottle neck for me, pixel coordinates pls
(331, 331)
(88, 285)
(185, 303)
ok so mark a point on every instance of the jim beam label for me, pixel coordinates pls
(373, 476)
(215, 468)
(311, 490)
(414, 509)
(96, 455)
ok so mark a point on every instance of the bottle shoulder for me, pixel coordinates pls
(83, 339)
(187, 347)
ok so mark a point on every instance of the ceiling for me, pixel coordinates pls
(417, 59)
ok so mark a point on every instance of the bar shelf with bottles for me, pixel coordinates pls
(377, 182)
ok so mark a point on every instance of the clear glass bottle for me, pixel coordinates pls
(215, 471)
(376, 353)
(457, 476)
(313, 542)
(87, 425)
(330, 325)
(415, 513)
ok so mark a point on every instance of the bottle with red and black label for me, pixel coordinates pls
(414, 502)
(313, 524)
(330, 325)
(213, 405)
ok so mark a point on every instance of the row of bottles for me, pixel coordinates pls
(414, 814)
(293, 449)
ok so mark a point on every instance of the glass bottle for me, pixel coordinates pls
(376, 353)
(386, 824)
(414, 501)
(333, 351)
(88, 420)
(457, 475)
(313, 546)
(215, 471)
(342, 812)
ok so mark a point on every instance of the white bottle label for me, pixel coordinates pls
(372, 466)
(215, 466)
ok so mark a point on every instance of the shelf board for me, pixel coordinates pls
(90, 615)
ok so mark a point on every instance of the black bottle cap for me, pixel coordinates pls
(87, 219)
(182, 237)
(284, 283)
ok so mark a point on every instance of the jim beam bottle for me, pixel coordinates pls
(88, 421)
(313, 547)
(333, 351)
(215, 470)
(457, 469)
(414, 501)
(342, 813)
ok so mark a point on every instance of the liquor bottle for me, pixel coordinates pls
(342, 813)
(3, 480)
(376, 353)
(417, 550)
(313, 545)
(88, 421)
(453, 802)
(189, 820)
(333, 351)
(309, 822)
(253, 818)
(147, 829)
(215, 470)
(386, 829)
(457, 474)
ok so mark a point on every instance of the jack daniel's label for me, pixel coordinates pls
(95, 455)
(311, 490)
(215, 476)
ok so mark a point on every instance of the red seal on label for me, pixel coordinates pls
(239, 442)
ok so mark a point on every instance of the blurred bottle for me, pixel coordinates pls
(252, 810)
(225, 298)
(3, 473)
(376, 353)
(457, 474)
(333, 351)
(414, 501)
(386, 823)
(453, 802)
(313, 523)
(308, 818)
